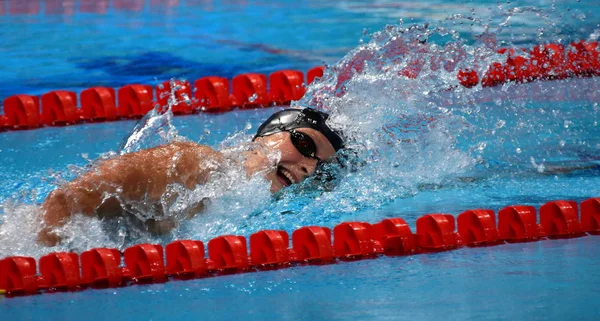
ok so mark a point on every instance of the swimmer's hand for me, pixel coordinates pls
(143, 175)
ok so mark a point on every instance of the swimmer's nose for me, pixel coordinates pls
(308, 168)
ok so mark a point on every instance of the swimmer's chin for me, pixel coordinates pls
(277, 183)
(276, 187)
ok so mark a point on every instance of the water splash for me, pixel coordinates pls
(410, 126)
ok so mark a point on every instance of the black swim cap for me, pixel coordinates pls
(300, 118)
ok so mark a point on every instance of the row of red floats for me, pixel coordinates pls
(68, 7)
(210, 94)
(543, 62)
(145, 263)
(213, 94)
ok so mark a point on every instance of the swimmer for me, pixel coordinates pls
(139, 180)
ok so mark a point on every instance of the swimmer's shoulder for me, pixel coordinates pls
(197, 149)
(185, 156)
(195, 162)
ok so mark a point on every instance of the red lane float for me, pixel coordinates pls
(559, 219)
(250, 91)
(583, 59)
(60, 271)
(495, 75)
(134, 101)
(212, 94)
(312, 244)
(352, 240)
(285, 86)
(435, 232)
(24, 7)
(100, 7)
(186, 259)
(558, 63)
(59, 108)
(98, 104)
(3, 123)
(22, 112)
(468, 78)
(145, 263)
(269, 249)
(477, 228)
(101, 268)
(521, 69)
(518, 224)
(178, 93)
(392, 236)
(228, 254)
(18, 275)
(313, 73)
(590, 216)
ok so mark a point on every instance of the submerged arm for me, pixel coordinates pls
(139, 176)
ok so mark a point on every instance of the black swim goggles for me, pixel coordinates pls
(290, 119)
(304, 144)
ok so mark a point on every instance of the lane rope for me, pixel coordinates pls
(214, 94)
(270, 249)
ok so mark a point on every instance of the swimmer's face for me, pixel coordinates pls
(293, 167)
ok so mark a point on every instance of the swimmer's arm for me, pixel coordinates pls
(136, 176)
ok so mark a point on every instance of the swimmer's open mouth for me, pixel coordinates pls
(285, 176)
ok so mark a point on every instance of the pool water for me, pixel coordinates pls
(66, 45)
(527, 144)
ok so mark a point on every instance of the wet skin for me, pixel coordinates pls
(142, 178)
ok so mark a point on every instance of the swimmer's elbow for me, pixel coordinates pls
(55, 213)
(48, 237)
(55, 209)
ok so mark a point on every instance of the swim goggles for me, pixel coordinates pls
(289, 119)
(304, 144)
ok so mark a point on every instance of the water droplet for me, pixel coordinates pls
(518, 150)
(248, 126)
(562, 143)
(252, 98)
(481, 146)
(500, 124)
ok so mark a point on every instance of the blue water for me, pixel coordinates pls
(533, 143)
(50, 49)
